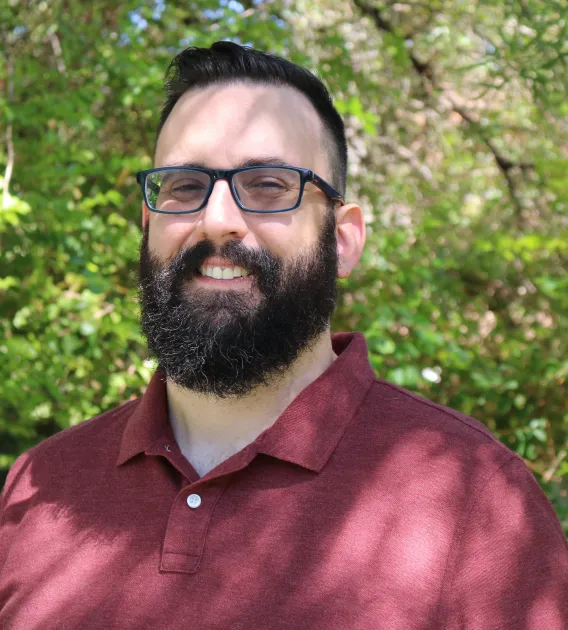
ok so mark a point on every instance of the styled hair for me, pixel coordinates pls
(227, 62)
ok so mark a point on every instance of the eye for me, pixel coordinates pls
(186, 186)
(267, 183)
(183, 186)
(184, 182)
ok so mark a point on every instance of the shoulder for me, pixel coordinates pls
(416, 407)
(99, 429)
(424, 431)
(441, 450)
(80, 443)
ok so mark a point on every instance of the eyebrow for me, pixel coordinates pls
(244, 163)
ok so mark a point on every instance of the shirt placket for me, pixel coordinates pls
(188, 525)
(192, 510)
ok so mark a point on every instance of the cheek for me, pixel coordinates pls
(168, 235)
(286, 236)
(283, 236)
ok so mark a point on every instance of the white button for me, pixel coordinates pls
(194, 501)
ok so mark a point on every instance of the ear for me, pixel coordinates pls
(145, 215)
(351, 236)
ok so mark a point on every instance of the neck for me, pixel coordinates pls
(208, 430)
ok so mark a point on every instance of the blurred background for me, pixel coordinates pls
(456, 116)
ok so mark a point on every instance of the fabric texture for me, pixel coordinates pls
(363, 507)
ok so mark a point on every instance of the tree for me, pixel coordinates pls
(456, 117)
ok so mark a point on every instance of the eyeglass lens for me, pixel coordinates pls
(267, 189)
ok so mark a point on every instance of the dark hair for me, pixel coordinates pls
(226, 62)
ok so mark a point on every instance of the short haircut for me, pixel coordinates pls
(226, 62)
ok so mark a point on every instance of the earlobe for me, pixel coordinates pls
(351, 236)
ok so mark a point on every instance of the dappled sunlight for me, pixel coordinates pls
(510, 532)
(402, 524)
(53, 585)
(545, 606)
(363, 507)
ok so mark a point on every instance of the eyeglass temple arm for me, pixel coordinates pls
(326, 188)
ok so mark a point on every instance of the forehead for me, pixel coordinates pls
(220, 125)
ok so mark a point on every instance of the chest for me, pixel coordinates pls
(272, 546)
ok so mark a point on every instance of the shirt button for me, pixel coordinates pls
(194, 501)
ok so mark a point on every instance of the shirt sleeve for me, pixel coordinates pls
(508, 569)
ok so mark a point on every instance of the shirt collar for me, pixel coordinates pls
(308, 430)
(148, 422)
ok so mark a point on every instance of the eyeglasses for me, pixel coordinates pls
(261, 189)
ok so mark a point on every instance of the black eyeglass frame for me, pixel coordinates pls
(305, 176)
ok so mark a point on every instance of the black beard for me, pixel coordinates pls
(225, 343)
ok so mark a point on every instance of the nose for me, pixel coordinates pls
(221, 219)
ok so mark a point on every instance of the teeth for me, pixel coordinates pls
(223, 273)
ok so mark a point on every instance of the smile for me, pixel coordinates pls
(223, 273)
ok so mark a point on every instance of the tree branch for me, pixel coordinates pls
(547, 476)
(425, 70)
(9, 132)
(56, 46)
(406, 154)
(505, 165)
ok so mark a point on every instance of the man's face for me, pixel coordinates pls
(219, 126)
(225, 337)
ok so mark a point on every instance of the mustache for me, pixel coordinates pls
(186, 263)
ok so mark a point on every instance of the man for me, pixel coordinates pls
(267, 478)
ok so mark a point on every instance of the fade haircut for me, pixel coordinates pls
(227, 62)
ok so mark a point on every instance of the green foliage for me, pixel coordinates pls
(456, 118)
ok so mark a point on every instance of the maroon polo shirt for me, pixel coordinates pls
(363, 507)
